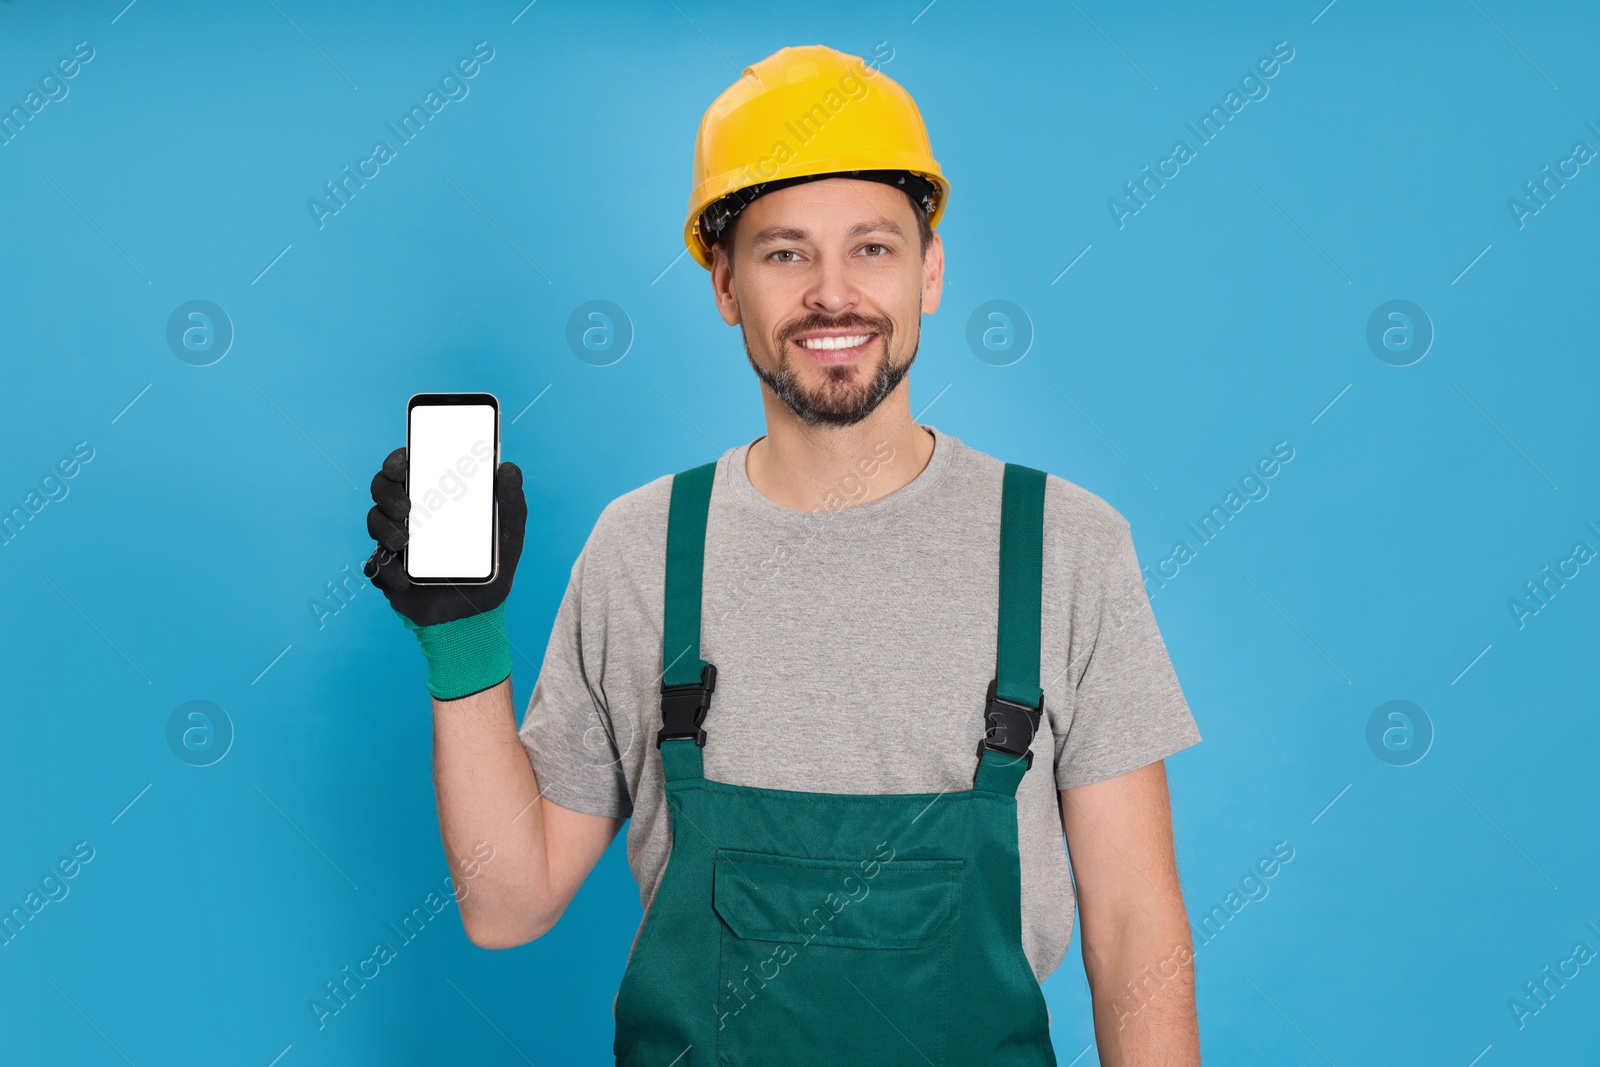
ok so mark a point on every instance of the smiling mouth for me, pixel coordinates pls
(837, 348)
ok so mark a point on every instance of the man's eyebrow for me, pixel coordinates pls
(880, 224)
(777, 234)
(774, 234)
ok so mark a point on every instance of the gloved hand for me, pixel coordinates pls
(459, 627)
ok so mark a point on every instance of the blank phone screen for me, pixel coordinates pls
(452, 461)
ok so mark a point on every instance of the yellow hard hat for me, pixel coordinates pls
(803, 112)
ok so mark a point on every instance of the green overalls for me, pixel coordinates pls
(840, 929)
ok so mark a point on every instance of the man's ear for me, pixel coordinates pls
(722, 286)
(933, 274)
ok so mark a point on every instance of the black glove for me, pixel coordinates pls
(459, 626)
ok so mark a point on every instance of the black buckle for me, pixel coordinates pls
(684, 707)
(1009, 727)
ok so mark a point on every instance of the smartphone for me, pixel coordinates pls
(453, 451)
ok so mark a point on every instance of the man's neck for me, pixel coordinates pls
(829, 467)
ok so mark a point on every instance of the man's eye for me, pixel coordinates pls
(880, 247)
(784, 252)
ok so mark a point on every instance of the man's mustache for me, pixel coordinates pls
(848, 322)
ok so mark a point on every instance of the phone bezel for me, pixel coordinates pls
(451, 400)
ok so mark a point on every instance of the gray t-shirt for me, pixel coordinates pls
(853, 646)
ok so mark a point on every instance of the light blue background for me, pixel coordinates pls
(1226, 316)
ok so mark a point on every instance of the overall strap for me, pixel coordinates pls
(686, 679)
(1015, 701)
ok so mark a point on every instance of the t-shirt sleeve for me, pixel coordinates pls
(567, 729)
(1128, 709)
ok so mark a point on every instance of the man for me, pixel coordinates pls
(816, 673)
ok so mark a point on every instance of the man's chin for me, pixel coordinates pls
(831, 412)
(842, 395)
(835, 403)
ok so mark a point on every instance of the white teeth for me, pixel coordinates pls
(831, 343)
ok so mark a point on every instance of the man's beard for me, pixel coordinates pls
(830, 407)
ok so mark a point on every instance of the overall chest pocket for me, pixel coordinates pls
(836, 961)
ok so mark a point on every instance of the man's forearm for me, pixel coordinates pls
(1142, 983)
(488, 807)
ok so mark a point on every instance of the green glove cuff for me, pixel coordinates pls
(464, 656)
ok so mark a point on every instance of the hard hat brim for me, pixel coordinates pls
(700, 247)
